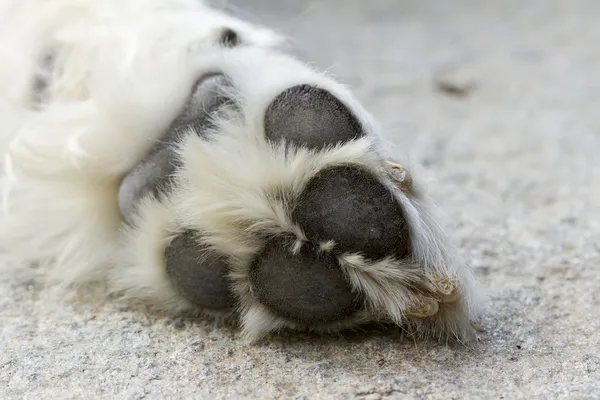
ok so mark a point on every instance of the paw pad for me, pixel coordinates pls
(199, 274)
(310, 117)
(306, 286)
(349, 206)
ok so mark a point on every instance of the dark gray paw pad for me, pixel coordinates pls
(206, 98)
(349, 206)
(151, 176)
(199, 274)
(307, 116)
(308, 287)
(154, 174)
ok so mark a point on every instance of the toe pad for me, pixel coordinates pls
(308, 287)
(307, 116)
(199, 274)
(351, 207)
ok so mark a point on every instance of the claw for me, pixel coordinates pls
(426, 308)
(445, 288)
(477, 327)
(400, 175)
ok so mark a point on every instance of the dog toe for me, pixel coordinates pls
(199, 274)
(312, 117)
(306, 286)
(352, 208)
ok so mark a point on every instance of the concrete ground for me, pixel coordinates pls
(500, 101)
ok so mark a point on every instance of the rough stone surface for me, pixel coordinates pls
(513, 161)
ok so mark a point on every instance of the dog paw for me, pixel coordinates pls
(284, 207)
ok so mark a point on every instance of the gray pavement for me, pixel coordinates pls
(500, 101)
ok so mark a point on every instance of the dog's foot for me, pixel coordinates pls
(276, 199)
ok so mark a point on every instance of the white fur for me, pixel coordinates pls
(121, 67)
(123, 70)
